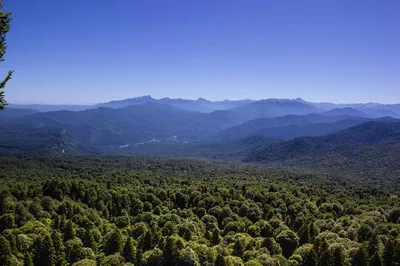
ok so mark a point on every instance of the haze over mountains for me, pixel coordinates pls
(204, 105)
(285, 131)
(369, 147)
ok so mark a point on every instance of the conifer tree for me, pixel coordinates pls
(360, 257)
(115, 243)
(44, 252)
(5, 251)
(69, 232)
(59, 248)
(172, 250)
(147, 240)
(389, 254)
(338, 255)
(5, 19)
(28, 261)
(376, 260)
(326, 258)
(239, 247)
(129, 251)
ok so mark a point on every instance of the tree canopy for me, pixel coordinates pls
(87, 210)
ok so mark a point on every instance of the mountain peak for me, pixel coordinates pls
(298, 99)
(144, 97)
(202, 100)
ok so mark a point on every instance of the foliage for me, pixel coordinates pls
(5, 19)
(145, 211)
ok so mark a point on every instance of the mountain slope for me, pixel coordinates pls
(371, 146)
(44, 140)
(51, 107)
(127, 102)
(379, 112)
(137, 123)
(311, 130)
(373, 110)
(12, 113)
(344, 111)
(256, 126)
(273, 108)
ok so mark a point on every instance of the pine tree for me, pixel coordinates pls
(220, 260)
(129, 251)
(5, 19)
(147, 240)
(189, 258)
(288, 240)
(172, 250)
(139, 255)
(376, 260)
(69, 231)
(360, 257)
(59, 248)
(44, 252)
(90, 240)
(311, 259)
(28, 261)
(239, 247)
(326, 258)
(5, 251)
(374, 245)
(338, 255)
(13, 243)
(388, 254)
(215, 238)
(114, 243)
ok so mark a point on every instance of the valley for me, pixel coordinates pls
(171, 133)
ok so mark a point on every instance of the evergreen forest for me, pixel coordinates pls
(88, 210)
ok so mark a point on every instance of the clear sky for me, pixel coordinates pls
(88, 51)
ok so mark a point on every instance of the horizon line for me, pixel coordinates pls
(199, 98)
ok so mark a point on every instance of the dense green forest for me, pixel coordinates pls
(143, 211)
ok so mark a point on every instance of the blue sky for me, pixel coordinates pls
(87, 51)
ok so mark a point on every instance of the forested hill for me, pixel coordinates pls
(369, 147)
(80, 211)
(287, 126)
(133, 124)
(44, 140)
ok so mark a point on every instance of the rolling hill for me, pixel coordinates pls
(136, 123)
(273, 108)
(370, 146)
(348, 111)
(311, 130)
(44, 140)
(51, 107)
(13, 113)
(264, 125)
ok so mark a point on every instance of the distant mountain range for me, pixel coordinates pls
(205, 106)
(276, 132)
(199, 105)
(132, 124)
